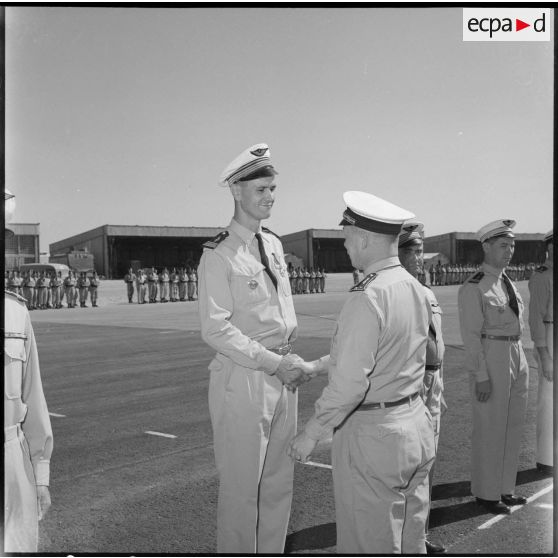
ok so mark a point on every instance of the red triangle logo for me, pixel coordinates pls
(519, 25)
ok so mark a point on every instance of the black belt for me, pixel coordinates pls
(432, 367)
(501, 337)
(548, 322)
(369, 406)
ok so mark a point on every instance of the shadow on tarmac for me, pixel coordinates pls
(324, 536)
(312, 538)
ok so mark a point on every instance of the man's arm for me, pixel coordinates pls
(36, 426)
(539, 300)
(216, 308)
(471, 320)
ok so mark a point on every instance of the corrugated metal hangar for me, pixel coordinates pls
(118, 247)
(21, 247)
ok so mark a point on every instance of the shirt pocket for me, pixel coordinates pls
(248, 285)
(496, 314)
(14, 357)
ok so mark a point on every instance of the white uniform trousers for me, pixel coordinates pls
(254, 419)
(21, 527)
(498, 423)
(545, 417)
(381, 459)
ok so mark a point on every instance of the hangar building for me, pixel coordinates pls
(21, 247)
(118, 247)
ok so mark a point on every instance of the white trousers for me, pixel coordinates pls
(253, 418)
(21, 525)
(381, 459)
(545, 417)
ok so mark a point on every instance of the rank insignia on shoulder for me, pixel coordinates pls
(364, 283)
(476, 277)
(266, 230)
(541, 268)
(214, 242)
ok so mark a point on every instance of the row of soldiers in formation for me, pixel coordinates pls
(455, 274)
(43, 290)
(175, 286)
(306, 281)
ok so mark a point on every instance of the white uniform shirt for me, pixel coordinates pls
(378, 349)
(242, 314)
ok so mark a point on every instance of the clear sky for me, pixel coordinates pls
(128, 116)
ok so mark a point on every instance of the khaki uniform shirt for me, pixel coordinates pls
(541, 304)
(242, 314)
(24, 401)
(378, 349)
(484, 309)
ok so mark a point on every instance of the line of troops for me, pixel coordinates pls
(45, 290)
(307, 281)
(456, 274)
(175, 286)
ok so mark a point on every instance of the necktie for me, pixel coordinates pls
(511, 294)
(264, 260)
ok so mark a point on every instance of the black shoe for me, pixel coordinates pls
(546, 469)
(494, 506)
(511, 500)
(433, 548)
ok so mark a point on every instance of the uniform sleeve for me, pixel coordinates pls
(471, 320)
(216, 307)
(354, 346)
(36, 426)
(538, 304)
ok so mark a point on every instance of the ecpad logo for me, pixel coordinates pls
(506, 24)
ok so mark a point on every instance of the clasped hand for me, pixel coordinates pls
(293, 371)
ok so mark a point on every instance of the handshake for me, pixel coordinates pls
(294, 371)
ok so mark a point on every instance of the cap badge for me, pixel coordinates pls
(253, 284)
(259, 152)
(507, 222)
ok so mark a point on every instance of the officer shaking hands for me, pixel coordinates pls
(383, 440)
(247, 316)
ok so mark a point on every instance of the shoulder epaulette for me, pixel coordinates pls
(476, 277)
(214, 242)
(541, 268)
(364, 283)
(265, 229)
(15, 295)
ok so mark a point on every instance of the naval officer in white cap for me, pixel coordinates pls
(541, 323)
(491, 321)
(383, 441)
(411, 257)
(247, 315)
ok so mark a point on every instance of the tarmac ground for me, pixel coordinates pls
(133, 472)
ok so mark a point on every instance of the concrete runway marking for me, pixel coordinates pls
(497, 518)
(57, 415)
(163, 435)
(545, 506)
(316, 464)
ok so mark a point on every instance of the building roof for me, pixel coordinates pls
(21, 229)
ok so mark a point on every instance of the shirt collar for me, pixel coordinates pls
(246, 235)
(378, 265)
(491, 270)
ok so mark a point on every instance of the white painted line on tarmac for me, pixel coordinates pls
(57, 415)
(497, 518)
(162, 434)
(545, 506)
(316, 464)
(169, 331)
